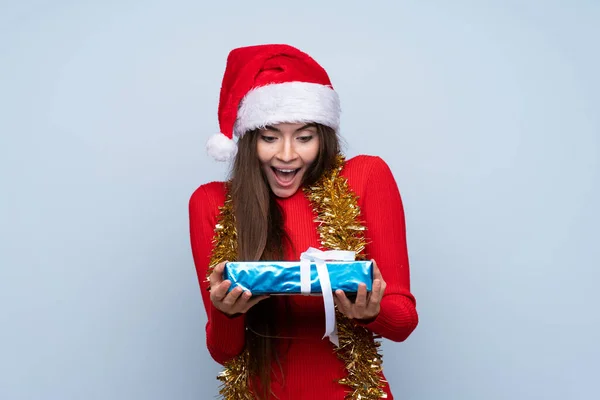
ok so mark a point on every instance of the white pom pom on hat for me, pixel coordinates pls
(269, 84)
(220, 147)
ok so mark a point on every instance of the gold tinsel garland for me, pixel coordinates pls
(235, 376)
(340, 228)
(338, 216)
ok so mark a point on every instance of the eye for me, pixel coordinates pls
(305, 138)
(268, 139)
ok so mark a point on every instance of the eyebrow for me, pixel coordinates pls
(272, 128)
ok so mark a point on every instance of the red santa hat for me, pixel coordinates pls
(269, 84)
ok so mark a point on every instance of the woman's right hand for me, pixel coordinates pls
(233, 302)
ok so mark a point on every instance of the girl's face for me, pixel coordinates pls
(285, 152)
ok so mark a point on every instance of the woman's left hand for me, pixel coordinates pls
(367, 306)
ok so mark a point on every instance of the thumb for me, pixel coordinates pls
(376, 272)
(216, 276)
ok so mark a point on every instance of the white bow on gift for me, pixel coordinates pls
(319, 257)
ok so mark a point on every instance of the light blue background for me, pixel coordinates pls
(487, 112)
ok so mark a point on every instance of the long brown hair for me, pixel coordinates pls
(261, 236)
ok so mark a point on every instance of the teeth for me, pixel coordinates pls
(285, 170)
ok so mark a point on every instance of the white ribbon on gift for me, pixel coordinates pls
(319, 257)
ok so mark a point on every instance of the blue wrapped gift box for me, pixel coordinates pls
(283, 277)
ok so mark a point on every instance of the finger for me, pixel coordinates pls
(244, 298)
(239, 300)
(218, 292)
(376, 294)
(343, 302)
(216, 276)
(232, 297)
(378, 277)
(346, 310)
(361, 299)
(376, 271)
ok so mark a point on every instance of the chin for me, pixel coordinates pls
(284, 193)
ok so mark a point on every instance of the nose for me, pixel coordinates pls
(287, 152)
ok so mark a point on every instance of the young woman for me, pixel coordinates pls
(291, 189)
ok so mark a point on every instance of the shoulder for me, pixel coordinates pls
(364, 170)
(208, 196)
(364, 160)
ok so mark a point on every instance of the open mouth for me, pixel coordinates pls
(285, 176)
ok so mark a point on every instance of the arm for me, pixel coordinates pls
(225, 336)
(383, 213)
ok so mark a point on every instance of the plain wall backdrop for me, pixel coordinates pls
(486, 111)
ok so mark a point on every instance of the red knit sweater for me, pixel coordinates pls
(310, 366)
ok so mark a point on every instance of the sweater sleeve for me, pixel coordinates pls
(383, 213)
(225, 336)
